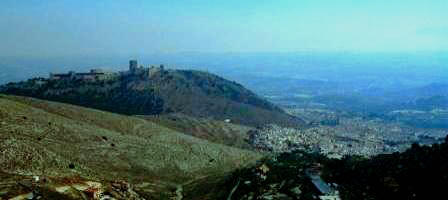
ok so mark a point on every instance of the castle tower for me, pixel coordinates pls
(133, 66)
(72, 74)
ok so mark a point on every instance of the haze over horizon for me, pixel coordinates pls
(99, 28)
(223, 99)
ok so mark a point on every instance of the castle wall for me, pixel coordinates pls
(98, 74)
(77, 76)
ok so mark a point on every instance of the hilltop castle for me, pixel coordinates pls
(98, 74)
(134, 69)
(93, 75)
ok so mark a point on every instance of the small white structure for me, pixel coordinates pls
(330, 197)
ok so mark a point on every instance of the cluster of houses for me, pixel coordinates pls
(99, 74)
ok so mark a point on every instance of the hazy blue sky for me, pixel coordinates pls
(108, 27)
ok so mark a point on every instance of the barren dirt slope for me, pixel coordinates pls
(58, 140)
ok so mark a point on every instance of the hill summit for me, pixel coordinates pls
(156, 90)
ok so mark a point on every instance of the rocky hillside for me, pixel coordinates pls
(215, 131)
(194, 93)
(59, 149)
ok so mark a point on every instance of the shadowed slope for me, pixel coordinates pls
(194, 93)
